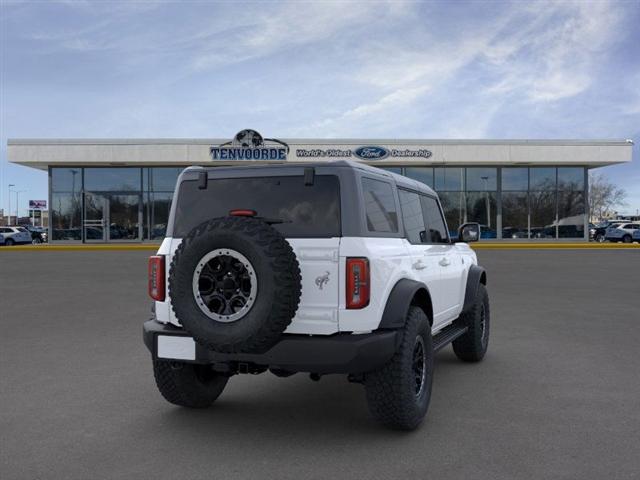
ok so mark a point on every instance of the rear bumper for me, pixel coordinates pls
(339, 353)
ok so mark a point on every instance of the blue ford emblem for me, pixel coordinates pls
(371, 153)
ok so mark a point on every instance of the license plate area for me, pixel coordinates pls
(175, 347)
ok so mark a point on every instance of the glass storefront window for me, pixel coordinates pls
(571, 211)
(515, 178)
(571, 178)
(421, 174)
(454, 209)
(515, 215)
(482, 208)
(66, 179)
(159, 207)
(542, 178)
(449, 179)
(164, 179)
(66, 216)
(112, 179)
(543, 214)
(482, 179)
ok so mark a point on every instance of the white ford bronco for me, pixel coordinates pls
(320, 267)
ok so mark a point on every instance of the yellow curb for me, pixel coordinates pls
(554, 246)
(79, 247)
(476, 246)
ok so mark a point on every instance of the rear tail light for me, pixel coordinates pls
(156, 277)
(358, 287)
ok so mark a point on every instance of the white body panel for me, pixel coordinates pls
(318, 309)
(322, 311)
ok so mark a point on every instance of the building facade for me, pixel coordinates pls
(121, 190)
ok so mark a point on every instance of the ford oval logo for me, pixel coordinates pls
(371, 153)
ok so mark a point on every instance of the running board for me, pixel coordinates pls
(447, 335)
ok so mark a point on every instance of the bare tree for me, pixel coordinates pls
(604, 196)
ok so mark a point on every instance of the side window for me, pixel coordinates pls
(380, 206)
(412, 216)
(436, 228)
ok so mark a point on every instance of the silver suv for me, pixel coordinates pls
(15, 235)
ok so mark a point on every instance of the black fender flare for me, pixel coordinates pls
(476, 276)
(401, 298)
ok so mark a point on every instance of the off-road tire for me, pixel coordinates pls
(391, 391)
(472, 346)
(188, 385)
(278, 284)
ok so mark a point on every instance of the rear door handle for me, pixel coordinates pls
(419, 265)
(444, 262)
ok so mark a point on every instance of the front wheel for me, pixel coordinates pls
(188, 385)
(472, 346)
(398, 394)
(9, 242)
(36, 241)
(599, 238)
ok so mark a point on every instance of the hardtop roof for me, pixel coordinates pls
(400, 180)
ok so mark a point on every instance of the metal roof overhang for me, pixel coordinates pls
(43, 153)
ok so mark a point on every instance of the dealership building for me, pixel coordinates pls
(120, 190)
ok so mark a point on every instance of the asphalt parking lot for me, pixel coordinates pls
(558, 395)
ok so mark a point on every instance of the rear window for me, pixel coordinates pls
(306, 210)
(380, 206)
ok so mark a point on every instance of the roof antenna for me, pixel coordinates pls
(309, 174)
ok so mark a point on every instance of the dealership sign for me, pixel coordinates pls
(250, 145)
(366, 152)
(38, 204)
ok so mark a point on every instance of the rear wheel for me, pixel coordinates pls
(188, 385)
(626, 239)
(398, 394)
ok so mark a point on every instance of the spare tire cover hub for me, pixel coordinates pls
(225, 285)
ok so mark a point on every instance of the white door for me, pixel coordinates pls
(425, 256)
(451, 279)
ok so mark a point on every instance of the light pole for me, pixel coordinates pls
(9, 214)
(18, 192)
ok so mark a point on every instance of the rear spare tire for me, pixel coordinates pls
(235, 284)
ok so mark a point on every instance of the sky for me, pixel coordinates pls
(194, 69)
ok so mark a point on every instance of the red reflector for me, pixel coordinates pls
(156, 277)
(358, 286)
(242, 213)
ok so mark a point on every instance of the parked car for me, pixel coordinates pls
(1, 239)
(259, 272)
(15, 235)
(38, 234)
(636, 235)
(622, 233)
(514, 232)
(598, 232)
